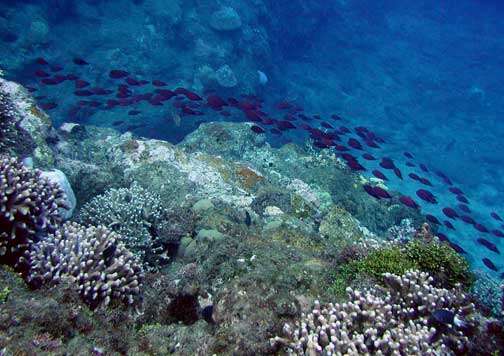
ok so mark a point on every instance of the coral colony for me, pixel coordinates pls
(164, 190)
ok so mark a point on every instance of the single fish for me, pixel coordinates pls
(489, 264)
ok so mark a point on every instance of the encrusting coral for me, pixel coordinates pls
(408, 317)
(93, 258)
(29, 207)
(7, 123)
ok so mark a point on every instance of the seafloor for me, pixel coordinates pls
(220, 244)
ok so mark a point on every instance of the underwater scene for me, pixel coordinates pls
(251, 177)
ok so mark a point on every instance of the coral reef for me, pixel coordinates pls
(7, 123)
(29, 209)
(490, 293)
(92, 258)
(409, 317)
(27, 127)
(131, 212)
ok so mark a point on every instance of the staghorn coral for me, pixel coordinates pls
(396, 320)
(131, 212)
(29, 207)
(92, 258)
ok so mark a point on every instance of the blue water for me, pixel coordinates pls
(426, 76)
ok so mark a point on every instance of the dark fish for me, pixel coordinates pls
(410, 164)
(451, 213)
(41, 61)
(132, 81)
(79, 84)
(398, 173)
(336, 117)
(207, 314)
(371, 143)
(409, 202)
(285, 125)
(455, 190)
(426, 196)
(448, 225)
(186, 110)
(344, 130)
(423, 167)
(215, 102)
(283, 105)
(134, 127)
(496, 216)
(498, 233)
(376, 192)
(432, 219)
(54, 80)
(118, 74)
(408, 155)
(83, 92)
(467, 219)
(489, 264)
(414, 176)
(134, 112)
(40, 97)
(355, 165)
(352, 142)
(379, 174)
(257, 129)
(158, 83)
(71, 77)
(443, 316)
(489, 245)
(387, 163)
(480, 228)
(456, 247)
(48, 106)
(462, 199)
(165, 94)
(326, 125)
(464, 208)
(80, 62)
(425, 181)
(188, 94)
(444, 177)
(368, 156)
(56, 68)
(248, 219)
(42, 74)
(30, 89)
(442, 237)
(101, 91)
(341, 148)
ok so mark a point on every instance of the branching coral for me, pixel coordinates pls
(395, 320)
(92, 258)
(129, 211)
(28, 209)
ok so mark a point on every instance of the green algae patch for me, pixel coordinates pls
(441, 261)
(4, 294)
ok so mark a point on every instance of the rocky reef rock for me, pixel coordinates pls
(225, 19)
(31, 124)
(59, 178)
(226, 77)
